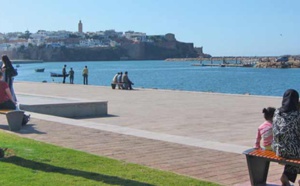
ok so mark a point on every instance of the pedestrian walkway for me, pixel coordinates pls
(201, 135)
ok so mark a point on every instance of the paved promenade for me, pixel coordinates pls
(201, 135)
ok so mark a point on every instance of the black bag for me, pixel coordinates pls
(14, 72)
(26, 119)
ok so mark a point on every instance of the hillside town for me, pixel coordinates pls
(110, 44)
(107, 38)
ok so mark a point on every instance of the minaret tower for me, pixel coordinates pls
(80, 27)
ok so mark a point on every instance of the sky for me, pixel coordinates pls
(221, 27)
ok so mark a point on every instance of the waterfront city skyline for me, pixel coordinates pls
(223, 28)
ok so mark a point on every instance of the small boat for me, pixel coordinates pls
(40, 69)
(53, 74)
(17, 65)
(247, 65)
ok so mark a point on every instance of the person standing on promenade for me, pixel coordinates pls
(126, 81)
(85, 74)
(64, 73)
(9, 73)
(71, 74)
(265, 130)
(286, 134)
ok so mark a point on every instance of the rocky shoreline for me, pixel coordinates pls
(289, 64)
(258, 62)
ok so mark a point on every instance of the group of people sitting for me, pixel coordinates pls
(281, 133)
(122, 81)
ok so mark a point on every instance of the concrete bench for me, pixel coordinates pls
(258, 162)
(113, 85)
(14, 118)
(80, 109)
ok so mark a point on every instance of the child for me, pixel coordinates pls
(265, 130)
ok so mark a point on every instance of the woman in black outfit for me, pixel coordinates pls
(9, 73)
(286, 134)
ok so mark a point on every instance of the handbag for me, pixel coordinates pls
(26, 119)
(12, 72)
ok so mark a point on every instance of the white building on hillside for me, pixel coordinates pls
(90, 43)
(4, 46)
(136, 36)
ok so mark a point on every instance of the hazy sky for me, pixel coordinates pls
(222, 27)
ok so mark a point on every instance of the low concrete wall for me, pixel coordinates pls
(70, 110)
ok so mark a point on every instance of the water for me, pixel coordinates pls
(173, 76)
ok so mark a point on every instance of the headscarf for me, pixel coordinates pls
(290, 101)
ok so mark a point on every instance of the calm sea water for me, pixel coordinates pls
(173, 76)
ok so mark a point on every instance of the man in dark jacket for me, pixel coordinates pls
(64, 73)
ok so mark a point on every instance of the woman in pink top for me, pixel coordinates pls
(6, 98)
(265, 130)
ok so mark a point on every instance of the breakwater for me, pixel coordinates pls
(237, 59)
(224, 65)
(22, 61)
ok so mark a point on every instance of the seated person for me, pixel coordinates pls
(119, 80)
(126, 81)
(264, 132)
(115, 81)
(115, 78)
(6, 99)
(286, 141)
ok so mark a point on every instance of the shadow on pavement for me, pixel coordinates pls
(4, 127)
(106, 116)
(27, 129)
(30, 129)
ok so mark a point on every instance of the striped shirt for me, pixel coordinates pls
(265, 133)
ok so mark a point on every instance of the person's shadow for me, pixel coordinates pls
(30, 129)
(27, 129)
(112, 180)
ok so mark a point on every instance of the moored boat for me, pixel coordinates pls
(248, 65)
(40, 69)
(53, 74)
